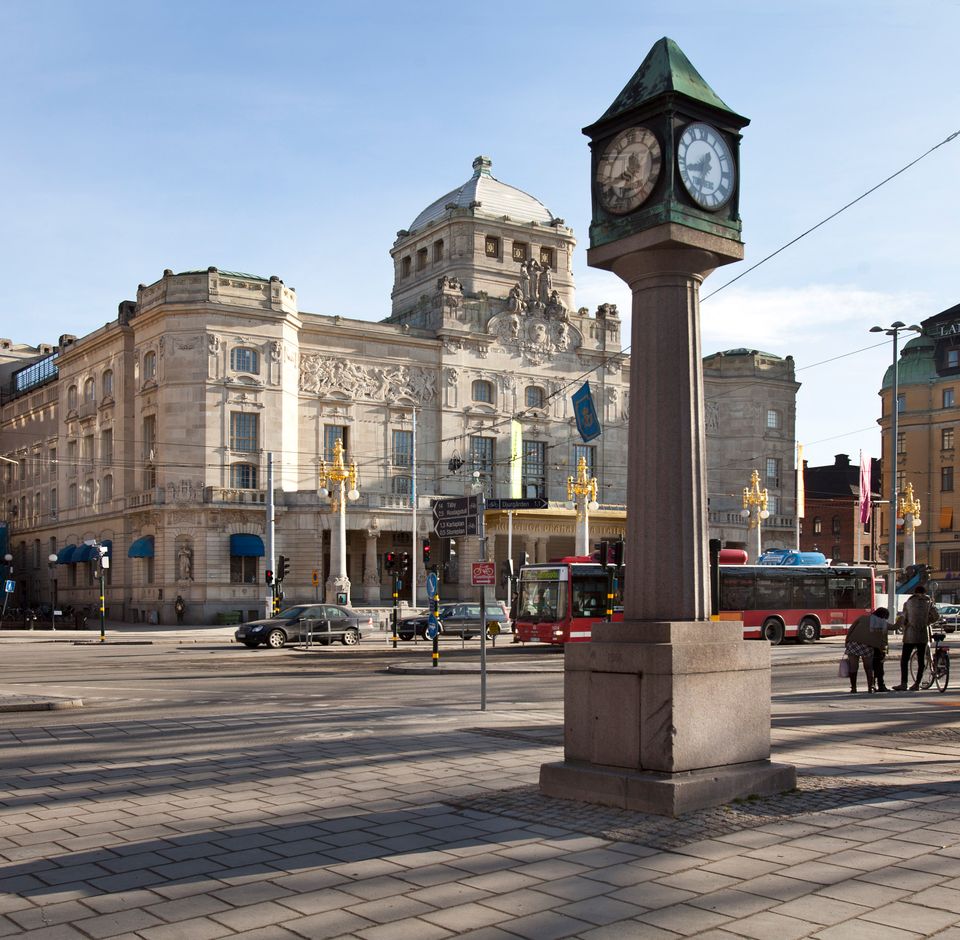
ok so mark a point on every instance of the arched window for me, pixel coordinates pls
(106, 488)
(243, 359)
(149, 365)
(89, 390)
(534, 396)
(483, 391)
(243, 476)
(72, 397)
(108, 382)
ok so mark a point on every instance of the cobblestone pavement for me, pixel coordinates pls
(404, 823)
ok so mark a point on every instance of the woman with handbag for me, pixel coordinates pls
(867, 633)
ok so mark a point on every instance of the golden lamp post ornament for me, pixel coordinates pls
(582, 495)
(338, 474)
(908, 516)
(754, 509)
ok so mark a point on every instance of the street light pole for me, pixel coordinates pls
(339, 475)
(52, 560)
(584, 488)
(894, 331)
(755, 509)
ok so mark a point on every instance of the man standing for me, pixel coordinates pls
(918, 613)
(179, 606)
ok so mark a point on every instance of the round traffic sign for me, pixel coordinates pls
(433, 630)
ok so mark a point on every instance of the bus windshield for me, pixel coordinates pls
(542, 601)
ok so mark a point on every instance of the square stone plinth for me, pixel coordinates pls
(666, 717)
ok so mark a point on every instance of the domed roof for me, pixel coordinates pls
(742, 351)
(486, 193)
(917, 365)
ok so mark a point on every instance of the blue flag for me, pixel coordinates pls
(588, 424)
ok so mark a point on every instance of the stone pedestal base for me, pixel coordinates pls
(666, 717)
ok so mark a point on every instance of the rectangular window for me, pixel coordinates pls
(773, 471)
(422, 259)
(902, 403)
(72, 496)
(149, 436)
(546, 257)
(106, 447)
(53, 502)
(901, 442)
(946, 518)
(950, 561)
(773, 505)
(331, 434)
(588, 452)
(534, 469)
(948, 399)
(946, 439)
(244, 432)
(946, 479)
(243, 569)
(405, 265)
(773, 419)
(491, 247)
(953, 358)
(86, 449)
(53, 461)
(481, 454)
(520, 251)
(438, 251)
(901, 481)
(72, 457)
(402, 449)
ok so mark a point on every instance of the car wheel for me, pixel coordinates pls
(351, 637)
(250, 643)
(808, 630)
(406, 637)
(276, 639)
(467, 635)
(773, 631)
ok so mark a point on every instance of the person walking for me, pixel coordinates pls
(918, 613)
(866, 633)
(180, 607)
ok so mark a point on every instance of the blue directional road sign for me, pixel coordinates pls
(432, 583)
(9, 586)
(433, 627)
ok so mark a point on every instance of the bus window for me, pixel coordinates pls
(773, 593)
(589, 597)
(736, 590)
(809, 593)
(540, 601)
(846, 592)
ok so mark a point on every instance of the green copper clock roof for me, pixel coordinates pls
(665, 71)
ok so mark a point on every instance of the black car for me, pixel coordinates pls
(325, 622)
(461, 619)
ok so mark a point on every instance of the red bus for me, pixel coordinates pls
(560, 601)
(800, 603)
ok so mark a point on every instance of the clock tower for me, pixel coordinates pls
(668, 711)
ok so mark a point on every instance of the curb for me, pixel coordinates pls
(38, 705)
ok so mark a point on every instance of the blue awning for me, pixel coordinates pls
(142, 548)
(249, 546)
(83, 553)
(65, 555)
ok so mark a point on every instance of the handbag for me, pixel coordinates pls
(844, 671)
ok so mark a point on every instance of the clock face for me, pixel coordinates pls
(628, 170)
(706, 166)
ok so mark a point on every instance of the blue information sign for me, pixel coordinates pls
(433, 628)
(9, 586)
(432, 583)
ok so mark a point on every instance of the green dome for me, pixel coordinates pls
(917, 365)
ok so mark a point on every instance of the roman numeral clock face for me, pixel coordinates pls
(706, 166)
(628, 170)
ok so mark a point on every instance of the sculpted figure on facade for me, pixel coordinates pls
(213, 344)
(324, 375)
(546, 284)
(184, 563)
(515, 302)
(711, 415)
(524, 285)
(276, 350)
(555, 308)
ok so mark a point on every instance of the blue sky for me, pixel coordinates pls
(297, 138)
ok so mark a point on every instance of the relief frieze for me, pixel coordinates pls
(322, 375)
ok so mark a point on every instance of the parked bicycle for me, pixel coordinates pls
(936, 668)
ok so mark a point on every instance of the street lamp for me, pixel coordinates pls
(894, 331)
(338, 474)
(584, 488)
(908, 516)
(52, 560)
(755, 509)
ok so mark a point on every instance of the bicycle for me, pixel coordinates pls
(936, 667)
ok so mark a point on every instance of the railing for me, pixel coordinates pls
(223, 494)
(154, 496)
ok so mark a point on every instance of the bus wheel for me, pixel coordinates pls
(773, 631)
(808, 631)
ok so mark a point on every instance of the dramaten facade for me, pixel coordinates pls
(152, 434)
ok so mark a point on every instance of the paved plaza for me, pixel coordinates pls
(322, 820)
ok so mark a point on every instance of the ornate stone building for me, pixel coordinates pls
(152, 434)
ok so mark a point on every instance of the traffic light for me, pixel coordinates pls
(618, 553)
(506, 572)
(390, 560)
(523, 558)
(426, 553)
(268, 576)
(283, 567)
(404, 561)
(603, 553)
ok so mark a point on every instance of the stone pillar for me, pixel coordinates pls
(371, 574)
(666, 712)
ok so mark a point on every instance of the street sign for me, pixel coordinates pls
(432, 630)
(484, 572)
(9, 586)
(455, 507)
(432, 583)
(451, 528)
(532, 502)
